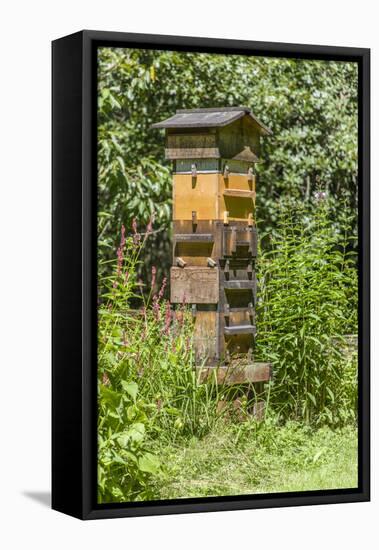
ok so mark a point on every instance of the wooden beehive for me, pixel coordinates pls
(214, 152)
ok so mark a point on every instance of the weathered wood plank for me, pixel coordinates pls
(194, 237)
(205, 337)
(194, 285)
(243, 309)
(237, 138)
(230, 330)
(190, 140)
(192, 153)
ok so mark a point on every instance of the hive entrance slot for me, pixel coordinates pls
(239, 241)
(239, 284)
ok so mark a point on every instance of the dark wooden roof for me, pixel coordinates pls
(209, 118)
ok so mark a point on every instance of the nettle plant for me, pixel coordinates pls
(308, 305)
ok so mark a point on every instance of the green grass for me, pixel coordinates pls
(251, 459)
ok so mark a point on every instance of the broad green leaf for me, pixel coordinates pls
(131, 389)
(149, 463)
(134, 435)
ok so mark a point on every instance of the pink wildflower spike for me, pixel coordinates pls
(136, 236)
(320, 196)
(167, 322)
(156, 308)
(188, 344)
(149, 227)
(143, 310)
(120, 258)
(180, 317)
(136, 239)
(153, 276)
(122, 242)
(120, 251)
(162, 289)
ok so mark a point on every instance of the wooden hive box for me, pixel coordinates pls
(214, 153)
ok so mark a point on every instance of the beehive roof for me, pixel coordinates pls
(209, 118)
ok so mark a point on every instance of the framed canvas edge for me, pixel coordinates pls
(84, 372)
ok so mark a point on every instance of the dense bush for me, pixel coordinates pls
(308, 303)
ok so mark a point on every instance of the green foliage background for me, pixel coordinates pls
(311, 107)
(161, 431)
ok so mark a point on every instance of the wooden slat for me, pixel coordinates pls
(237, 374)
(243, 309)
(190, 153)
(239, 285)
(189, 140)
(194, 237)
(230, 330)
(243, 243)
(239, 193)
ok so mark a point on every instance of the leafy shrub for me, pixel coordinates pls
(308, 302)
(125, 465)
(148, 387)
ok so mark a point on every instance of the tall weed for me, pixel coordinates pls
(308, 303)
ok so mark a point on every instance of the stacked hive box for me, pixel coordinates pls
(214, 152)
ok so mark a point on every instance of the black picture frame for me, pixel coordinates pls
(74, 147)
